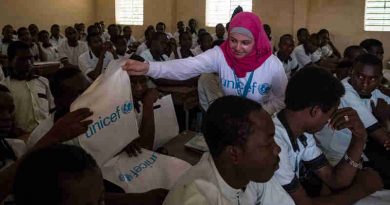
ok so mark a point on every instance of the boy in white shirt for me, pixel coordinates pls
(302, 35)
(242, 160)
(70, 49)
(56, 38)
(113, 31)
(6, 40)
(328, 50)
(35, 48)
(180, 29)
(286, 56)
(374, 47)
(220, 33)
(312, 98)
(145, 45)
(121, 49)
(160, 27)
(127, 33)
(158, 46)
(205, 42)
(50, 51)
(308, 53)
(93, 62)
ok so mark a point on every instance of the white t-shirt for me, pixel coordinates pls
(131, 41)
(326, 51)
(267, 87)
(290, 65)
(303, 58)
(88, 62)
(194, 40)
(72, 53)
(179, 52)
(293, 153)
(335, 143)
(255, 193)
(51, 52)
(141, 48)
(4, 48)
(56, 42)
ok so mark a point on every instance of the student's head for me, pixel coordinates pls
(7, 112)
(66, 85)
(120, 43)
(352, 52)
(149, 33)
(366, 74)
(20, 59)
(192, 23)
(92, 29)
(286, 44)
(316, 93)
(82, 27)
(205, 41)
(267, 29)
(33, 29)
(24, 35)
(55, 30)
(159, 43)
(95, 42)
(374, 47)
(43, 36)
(185, 40)
(113, 30)
(313, 43)
(323, 34)
(59, 175)
(160, 27)
(127, 32)
(99, 26)
(220, 30)
(7, 32)
(102, 25)
(303, 35)
(71, 34)
(240, 133)
(180, 26)
(138, 83)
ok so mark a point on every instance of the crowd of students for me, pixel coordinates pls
(292, 123)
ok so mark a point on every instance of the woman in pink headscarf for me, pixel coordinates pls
(244, 62)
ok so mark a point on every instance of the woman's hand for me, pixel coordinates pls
(134, 67)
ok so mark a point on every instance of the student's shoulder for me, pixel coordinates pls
(84, 55)
(281, 135)
(43, 80)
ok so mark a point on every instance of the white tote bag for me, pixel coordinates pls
(114, 123)
(147, 171)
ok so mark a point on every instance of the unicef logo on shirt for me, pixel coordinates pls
(127, 107)
(264, 88)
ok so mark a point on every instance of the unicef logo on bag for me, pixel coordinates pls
(264, 88)
(127, 107)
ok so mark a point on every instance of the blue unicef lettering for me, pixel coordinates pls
(264, 88)
(137, 170)
(103, 122)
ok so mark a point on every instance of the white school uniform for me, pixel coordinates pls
(216, 38)
(290, 65)
(176, 35)
(88, 62)
(148, 56)
(267, 87)
(335, 143)
(4, 47)
(72, 53)
(35, 51)
(51, 53)
(209, 89)
(303, 58)
(169, 35)
(326, 51)
(293, 153)
(141, 48)
(33, 101)
(53, 41)
(194, 40)
(106, 36)
(179, 52)
(197, 50)
(185, 193)
(131, 41)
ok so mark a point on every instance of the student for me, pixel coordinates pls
(185, 51)
(80, 28)
(312, 98)
(286, 56)
(374, 47)
(205, 42)
(268, 31)
(303, 35)
(70, 49)
(31, 93)
(344, 68)
(220, 33)
(145, 45)
(242, 160)
(56, 38)
(93, 29)
(372, 105)
(112, 31)
(35, 48)
(160, 27)
(127, 33)
(180, 29)
(158, 46)
(192, 24)
(259, 77)
(209, 89)
(121, 49)
(308, 53)
(328, 50)
(95, 61)
(7, 33)
(50, 51)
(34, 30)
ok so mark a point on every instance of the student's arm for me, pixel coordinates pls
(98, 69)
(381, 137)
(342, 174)
(335, 51)
(147, 128)
(42, 54)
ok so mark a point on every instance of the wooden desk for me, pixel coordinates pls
(176, 148)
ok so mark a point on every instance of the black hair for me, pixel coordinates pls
(323, 31)
(115, 39)
(92, 35)
(43, 32)
(91, 28)
(157, 36)
(14, 47)
(285, 37)
(227, 122)
(161, 24)
(301, 30)
(58, 78)
(112, 26)
(137, 58)
(350, 49)
(218, 42)
(6, 27)
(44, 168)
(202, 36)
(369, 59)
(219, 25)
(147, 30)
(314, 39)
(20, 30)
(184, 33)
(369, 43)
(312, 86)
(54, 25)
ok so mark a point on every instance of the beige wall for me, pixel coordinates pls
(44, 13)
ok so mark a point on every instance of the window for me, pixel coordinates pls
(377, 15)
(129, 12)
(220, 11)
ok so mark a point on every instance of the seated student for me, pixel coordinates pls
(205, 42)
(344, 68)
(328, 50)
(192, 24)
(180, 29)
(158, 46)
(373, 108)
(374, 47)
(184, 50)
(35, 48)
(160, 27)
(312, 98)
(71, 48)
(286, 56)
(50, 51)
(34, 30)
(127, 33)
(8, 38)
(92, 29)
(80, 28)
(307, 53)
(94, 62)
(268, 31)
(302, 35)
(220, 33)
(145, 45)
(31, 93)
(112, 31)
(55, 38)
(121, 49)
(242, 160)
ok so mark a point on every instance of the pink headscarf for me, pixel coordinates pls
(261, 50)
